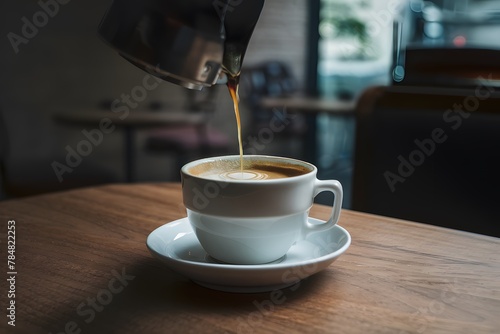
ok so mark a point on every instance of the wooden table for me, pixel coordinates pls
(83, 267)
(129, 122)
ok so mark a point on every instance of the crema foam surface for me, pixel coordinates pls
(255, 170)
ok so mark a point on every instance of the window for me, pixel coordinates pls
(355, 45)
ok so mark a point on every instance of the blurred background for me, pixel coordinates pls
(66, 67)
(309, 65)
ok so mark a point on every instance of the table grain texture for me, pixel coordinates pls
(83, 267)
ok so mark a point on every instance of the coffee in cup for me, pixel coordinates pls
(251, 170)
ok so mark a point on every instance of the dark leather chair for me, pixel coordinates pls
(430, 155)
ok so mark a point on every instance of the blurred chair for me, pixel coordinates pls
(34, 175)
(192, 141)
(269, 79)
(430, 155)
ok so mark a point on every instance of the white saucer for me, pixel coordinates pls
(177, 246)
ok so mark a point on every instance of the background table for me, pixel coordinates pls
(311, 107)
(397, 276)
(309, 104)
(129, 123)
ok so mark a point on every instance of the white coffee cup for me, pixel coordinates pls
(252, 221)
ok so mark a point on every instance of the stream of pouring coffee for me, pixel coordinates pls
(233, 83)
(241, 22)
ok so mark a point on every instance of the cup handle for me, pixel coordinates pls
(335, 187)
